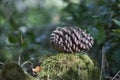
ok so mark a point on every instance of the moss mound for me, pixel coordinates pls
(12, 71)
(69, 67)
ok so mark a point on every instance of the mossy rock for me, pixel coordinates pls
(69, 67)
(12, 71)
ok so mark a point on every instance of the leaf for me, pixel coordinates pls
(13, 38)
(16, 37)
(116, 22)
(101, 35)
(116, 30)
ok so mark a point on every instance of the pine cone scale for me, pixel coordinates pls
(71, 40)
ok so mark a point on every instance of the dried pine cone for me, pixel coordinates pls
(70, 40)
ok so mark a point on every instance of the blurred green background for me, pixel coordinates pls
(26, 25)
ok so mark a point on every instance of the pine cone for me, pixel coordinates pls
(71, 40)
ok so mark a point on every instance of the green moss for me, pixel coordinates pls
(12, 71)
(69, 67)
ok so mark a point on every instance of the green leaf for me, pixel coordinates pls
(116, 30)
(15, 37)
(116, 22)
(101, 35)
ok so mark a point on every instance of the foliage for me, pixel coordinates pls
(20, 19)
(101, 18)
(5, 55)
(69, 66)
(25, 27)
